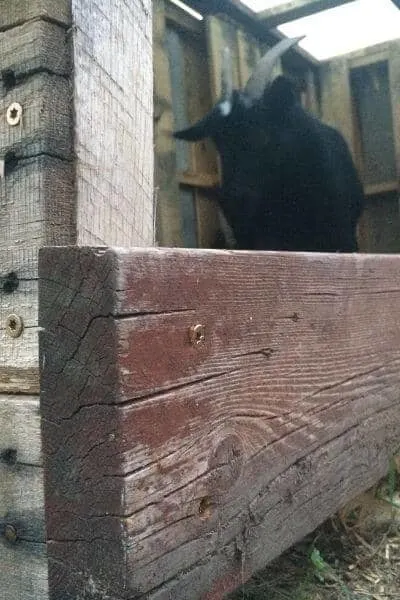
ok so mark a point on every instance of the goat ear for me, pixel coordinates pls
(208, 126)
(280, 95)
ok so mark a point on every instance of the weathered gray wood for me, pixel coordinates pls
(36, 209)
(46, 122)
(23, 571)
(113, 97)
(40, 204)
(20, 430)
(18, 11)
(36, 190)
(19, 356)
(23, 574)
(189, 466)
(34, 46)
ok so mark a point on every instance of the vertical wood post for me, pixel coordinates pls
(76, 167)
(336, 101)
(113, 102)
(394, 80)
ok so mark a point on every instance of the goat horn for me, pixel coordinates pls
(262, 73)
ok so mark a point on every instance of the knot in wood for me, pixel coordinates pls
(225, 465)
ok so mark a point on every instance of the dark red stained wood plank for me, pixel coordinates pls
(176, 471)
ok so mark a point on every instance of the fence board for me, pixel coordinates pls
(45, 126)
(23, 565)
(188, 467)
(34, 46)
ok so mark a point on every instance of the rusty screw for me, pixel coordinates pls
(10, 533)
(14, 114)
(14, 325)
(205, 508)
(197, 335)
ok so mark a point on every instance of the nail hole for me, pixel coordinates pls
(9, 456)
(10, 163)
(10, 533)
(10, 283)
(9, 79)
(205, 508)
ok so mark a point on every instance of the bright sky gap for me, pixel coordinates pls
(340, 30)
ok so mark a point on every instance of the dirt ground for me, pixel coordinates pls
(353, 556)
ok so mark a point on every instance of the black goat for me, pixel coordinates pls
(288, 180)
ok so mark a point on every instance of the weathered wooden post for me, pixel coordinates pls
(76, 154)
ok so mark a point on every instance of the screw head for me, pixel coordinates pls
(197, 335)
(14, 325)
(14, 114)
(10, 533)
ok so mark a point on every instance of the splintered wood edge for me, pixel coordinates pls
(19, 380)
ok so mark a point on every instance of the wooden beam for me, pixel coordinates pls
(204, 410)
(296, 9)
(336, 99)
(113, 109)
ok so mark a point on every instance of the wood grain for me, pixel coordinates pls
(187, 468)
(19, 11)
(33, 47)
(24, 574)
(113, 107)
(36, 209)
(23, 570)
(45, 126)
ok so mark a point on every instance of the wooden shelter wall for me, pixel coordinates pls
(185, 172)
(361, 96)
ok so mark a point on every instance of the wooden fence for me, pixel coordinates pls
(203, 410)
